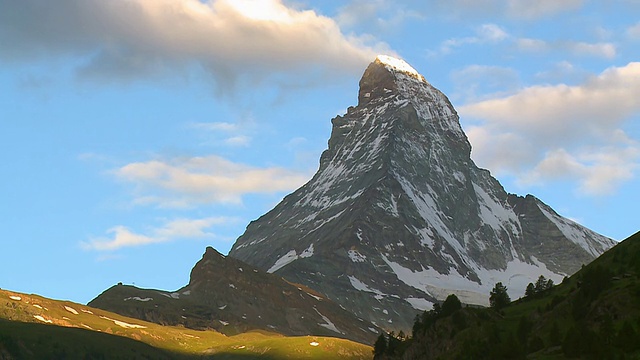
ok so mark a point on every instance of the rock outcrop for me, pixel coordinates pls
(233, 297)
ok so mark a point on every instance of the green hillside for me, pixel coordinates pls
(594, 314)
(33, 327)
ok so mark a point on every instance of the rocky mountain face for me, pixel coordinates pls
(232, 297)
(398, 216)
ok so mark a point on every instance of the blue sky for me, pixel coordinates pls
(137, 132)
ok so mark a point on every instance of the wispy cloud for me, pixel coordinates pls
(478, 81)
(381, 15)
(600, 172)
(512, 9)
(238, 141)
(578, 48)
(180, 229)
(526, 9)
(230, 39)
(187, 182)
(225, 133)
(633, 32)
(484, 34)
(543, 126)
(216, 126)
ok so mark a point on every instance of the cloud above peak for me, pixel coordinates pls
(132, 39)
(578, 129)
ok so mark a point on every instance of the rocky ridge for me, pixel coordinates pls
(233, 297)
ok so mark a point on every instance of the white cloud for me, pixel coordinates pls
(577, 128)
(121, 236)
(230, 39)
(186, 182)
(601, 171)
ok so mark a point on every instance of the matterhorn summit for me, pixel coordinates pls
(398, 216)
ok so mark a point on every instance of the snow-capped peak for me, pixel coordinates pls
(395, 64)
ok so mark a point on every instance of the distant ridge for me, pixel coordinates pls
(232, 297)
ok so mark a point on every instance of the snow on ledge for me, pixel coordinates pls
(124, 324)
(328, 324)
(41, 318)
(356, 257)
(419, 303)
(516, 276)
(290, 257)
(71, 310)
(137, 298)
(393, 63)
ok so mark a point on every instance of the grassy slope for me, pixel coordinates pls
(94, 333)
(594, 307)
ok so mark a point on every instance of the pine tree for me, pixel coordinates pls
(530, 291)
(498, 297)
(393, 344)
(541, 284)
(380, 346)
(451, 305)
(549, 284)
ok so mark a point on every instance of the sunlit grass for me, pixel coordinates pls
(34, 321)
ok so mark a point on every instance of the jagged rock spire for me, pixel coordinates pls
(399, 216)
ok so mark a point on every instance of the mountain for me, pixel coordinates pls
(232, 297)
(398, 216)
(35, 327)
(594, 314)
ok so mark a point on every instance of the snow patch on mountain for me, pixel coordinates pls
(123, 324)
(137, 298)
(498, 216)
(71, 310)
(359, 285)
(516, 276)
(356, 257)
(328, 324)
(395, 64)
(41, 318)
(419, 303)
(290, 257)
